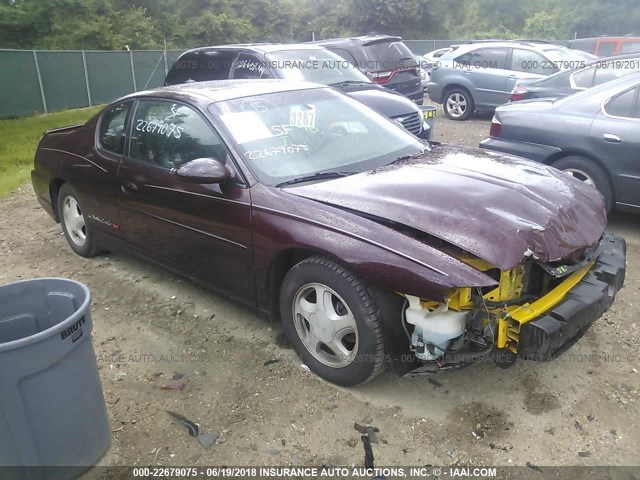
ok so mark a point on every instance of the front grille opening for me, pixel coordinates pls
(412, 122)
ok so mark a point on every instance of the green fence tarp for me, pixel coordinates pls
(19, 88)
(63, 80)
(110, 75)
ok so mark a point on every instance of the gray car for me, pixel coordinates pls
(480, 75)
(592, 135)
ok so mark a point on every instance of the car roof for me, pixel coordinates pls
(363, 40)
(533, 44)
(257, 47)
(222, 90)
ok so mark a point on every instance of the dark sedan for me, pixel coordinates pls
(568, 82)
(591, 135)
(372, 247)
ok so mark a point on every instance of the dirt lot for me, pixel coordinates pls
(152, 330)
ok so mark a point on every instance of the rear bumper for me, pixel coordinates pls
(565, 323)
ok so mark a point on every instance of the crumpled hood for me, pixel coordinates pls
(498, 207)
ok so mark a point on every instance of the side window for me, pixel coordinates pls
(606, 49)
(491, 58)
(484, 58)
(623, 105)
(464, 59)
(167, 135)
(630, 47)
(604, 75)
(530, 62)
(584, 78)
(113, 126)
(250, 66)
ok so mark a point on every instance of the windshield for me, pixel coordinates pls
(319, 66)
(286, 135)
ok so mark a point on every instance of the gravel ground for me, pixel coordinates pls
(153, 330)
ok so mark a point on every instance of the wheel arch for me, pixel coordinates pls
(553, 159)
(556, 157)
(279, 265)
(453, 86)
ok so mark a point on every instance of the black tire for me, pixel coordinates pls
(458, 104)
(366, 359)
(588, 171)
(85, 247)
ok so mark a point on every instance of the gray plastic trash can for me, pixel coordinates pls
(429, 114)
(53, 418)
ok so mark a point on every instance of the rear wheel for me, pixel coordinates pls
(74, 224)
(458, 104)
(332, 322)
(590, 173)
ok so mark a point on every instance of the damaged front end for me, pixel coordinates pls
(535, 310)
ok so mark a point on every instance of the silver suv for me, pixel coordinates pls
(480, 75)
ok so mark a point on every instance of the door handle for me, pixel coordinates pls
(608, 137)
(129, 187)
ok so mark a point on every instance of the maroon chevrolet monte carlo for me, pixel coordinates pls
(373, 247)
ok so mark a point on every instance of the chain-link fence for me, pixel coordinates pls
(46, 81)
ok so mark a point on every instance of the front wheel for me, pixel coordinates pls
(590, 173)
(332, 321)
(74, 223)
(458, 104)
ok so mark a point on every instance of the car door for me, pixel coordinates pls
(487, 69)
(202, 230)
(98, 185)
(526, 65)
(615, 134)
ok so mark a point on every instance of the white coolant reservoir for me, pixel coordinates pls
(433, 330)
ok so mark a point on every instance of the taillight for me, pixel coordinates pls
(381, 77)
(496, 127)
(385, 76)
(517, 93)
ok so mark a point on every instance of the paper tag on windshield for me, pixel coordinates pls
(303, 116)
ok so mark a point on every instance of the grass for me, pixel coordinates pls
(19, 139)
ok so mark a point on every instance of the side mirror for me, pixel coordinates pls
(203, 170)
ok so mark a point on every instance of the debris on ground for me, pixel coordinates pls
(173, 386)
(193, 427)
(368, 451)
(208, 439)
(533, 467)
(271, 362)
(367, 430)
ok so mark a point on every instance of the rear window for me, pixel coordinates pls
(388, 56)
(201, 67)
